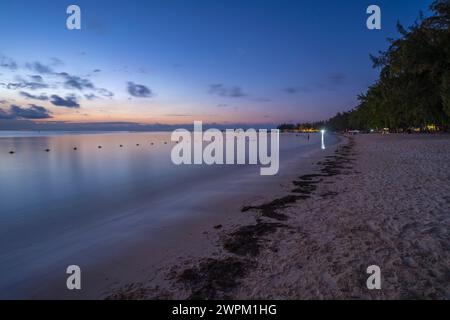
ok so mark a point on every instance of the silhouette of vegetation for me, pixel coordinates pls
(413, 89)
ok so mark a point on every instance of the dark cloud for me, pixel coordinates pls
(26, 85)
(78, 83)
(329, 82)
(5, 115)
(32, 112)
(138, 90)
(223, 91)
(91, 96)
(8, 63)
(27, 95)
(336, 78)
(75, 82)
(39, 67)
(104, 92)
(294, 90)
(68, 102)
(36, 78)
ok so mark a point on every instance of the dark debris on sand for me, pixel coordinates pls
(246, 240)
(217, 278)
(214, 278)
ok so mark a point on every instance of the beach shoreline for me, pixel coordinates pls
(378, 200)
(138, 258)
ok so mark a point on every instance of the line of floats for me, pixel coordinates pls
(98, 147)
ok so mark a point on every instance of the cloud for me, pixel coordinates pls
(36, 78)
(39, 67)
(27, 95)
(138, 90)
(104, 92)
(5, 115)
(68, 102)
(328, 82)
(91, 96)
(294, 90)
(26, 85)
(32, 112)
(8, 63)
(36, 81)
(75, 82)
(223, 91)
(336, 78)
(78, 83)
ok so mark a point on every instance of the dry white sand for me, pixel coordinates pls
(380, 200)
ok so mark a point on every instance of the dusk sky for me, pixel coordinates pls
(176, 61)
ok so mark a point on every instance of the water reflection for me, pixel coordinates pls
(76, 196)
(322, 134)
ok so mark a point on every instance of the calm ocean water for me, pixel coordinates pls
(55, 204)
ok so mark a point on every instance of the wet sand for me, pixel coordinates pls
(376, 200)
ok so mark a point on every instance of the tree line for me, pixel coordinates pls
(413, 88)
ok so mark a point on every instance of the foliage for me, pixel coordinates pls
(413, 89)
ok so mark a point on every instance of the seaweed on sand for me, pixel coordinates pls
(215, 278)
(270, 209)
(247, 240)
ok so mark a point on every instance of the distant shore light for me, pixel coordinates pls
(322, 132)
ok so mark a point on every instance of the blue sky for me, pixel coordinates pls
(176, 61)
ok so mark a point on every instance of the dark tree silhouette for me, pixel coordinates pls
(413, 89)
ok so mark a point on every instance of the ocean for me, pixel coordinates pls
(74, 203)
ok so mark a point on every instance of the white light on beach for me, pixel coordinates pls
(322, 132)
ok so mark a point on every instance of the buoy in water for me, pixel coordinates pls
(11, 152)
(99, 147)
(47, 150)
(121, 146)
(74, 148)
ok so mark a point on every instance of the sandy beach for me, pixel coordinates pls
(374, 200)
